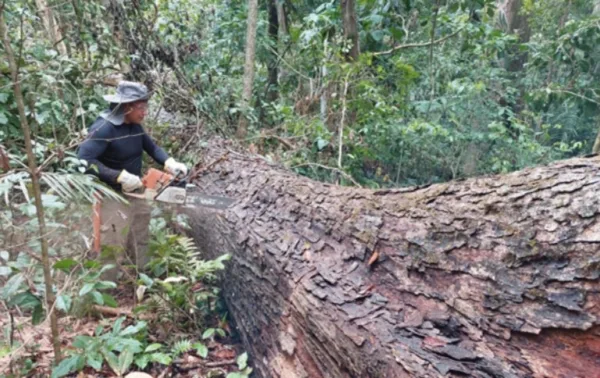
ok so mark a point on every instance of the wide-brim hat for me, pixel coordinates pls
(129, 91)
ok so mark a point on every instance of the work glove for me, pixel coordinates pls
(129, 182)
(174, 167)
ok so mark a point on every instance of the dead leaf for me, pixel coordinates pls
(224, 354)
(373, 258)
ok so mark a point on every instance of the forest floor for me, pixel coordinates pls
(34, 355)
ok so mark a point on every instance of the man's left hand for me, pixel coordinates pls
(174, 167)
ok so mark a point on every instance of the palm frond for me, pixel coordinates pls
(67, 186)
(71, 186)
(11, 181)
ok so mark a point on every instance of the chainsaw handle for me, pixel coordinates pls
(175, 177)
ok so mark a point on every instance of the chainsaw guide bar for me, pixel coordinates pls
(162, 187)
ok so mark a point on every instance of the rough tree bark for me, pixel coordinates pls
(489, 277)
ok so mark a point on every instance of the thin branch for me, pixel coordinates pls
(50, 298)
(347, 176)
(575, 94)
(343, 118)
(423, 44)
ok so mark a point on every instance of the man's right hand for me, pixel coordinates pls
(129, 182)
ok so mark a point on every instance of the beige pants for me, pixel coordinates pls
(124, 234)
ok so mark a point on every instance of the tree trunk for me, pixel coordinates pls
(515, 22)
(490, 277)
(51, 26)
(272, 67)
(350, 28)
(281, 18)
(249, 64)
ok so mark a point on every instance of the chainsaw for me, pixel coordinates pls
(174, 189)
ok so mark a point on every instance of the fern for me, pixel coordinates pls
(182, 346)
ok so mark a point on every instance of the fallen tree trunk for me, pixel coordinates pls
(489, 277)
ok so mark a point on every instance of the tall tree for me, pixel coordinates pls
(242, 129)
(350, 28)
(515, 21)
(282, 18)
(51, 25)
(33, 172)
(272, 67)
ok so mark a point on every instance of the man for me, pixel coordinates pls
(113, 151)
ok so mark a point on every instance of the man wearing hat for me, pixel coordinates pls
(113, 151)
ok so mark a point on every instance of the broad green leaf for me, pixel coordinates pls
(142, 361)
(201, 350)
(98, 330)
(208, 333)
(117, 326)
(5, 271)
(133, 329)
(37, 316)
(25, 300)
(124, 343)
(242, 361)
(98, 299)
(81, 341)
(146, 280)
(66, 366)
(152, 347)
(91, 264)
(125, 360)
(88, 287)
(322, 143)
(102, 285)
(95, 361)
(63, 302)
(106, 267)
(112, 360)
(161, 358)
(235, 375)
(12, 286)
(3, 118)
(109, 300)
(65, 264)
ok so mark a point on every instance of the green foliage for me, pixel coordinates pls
(242, 364)
(178, 279)
(117, 347)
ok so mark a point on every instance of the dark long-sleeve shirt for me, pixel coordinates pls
(112, 148)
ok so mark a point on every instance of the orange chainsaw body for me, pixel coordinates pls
(156, 180)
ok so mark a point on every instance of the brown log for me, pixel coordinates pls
(489, 277)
